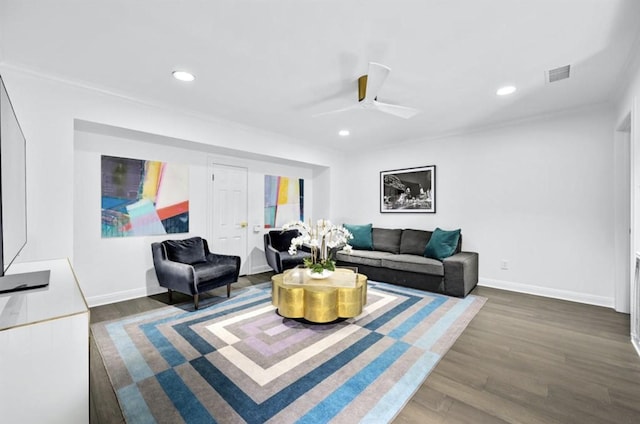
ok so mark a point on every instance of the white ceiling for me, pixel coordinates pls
(272, 64)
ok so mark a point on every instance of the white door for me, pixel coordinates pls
(229, 217)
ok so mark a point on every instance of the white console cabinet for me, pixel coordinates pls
(44, 349)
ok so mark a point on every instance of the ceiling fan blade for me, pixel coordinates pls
(368, 87)
(344, 109)
(399, 111)
(375, 78)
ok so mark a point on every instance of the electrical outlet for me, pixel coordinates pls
(504, 264)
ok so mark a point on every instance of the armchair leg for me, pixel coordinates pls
(170, 296)
(195, 301)
(228, 289)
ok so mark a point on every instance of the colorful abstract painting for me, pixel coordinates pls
(283, 200)
(142, 197)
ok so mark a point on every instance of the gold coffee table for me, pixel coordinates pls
(341, 295)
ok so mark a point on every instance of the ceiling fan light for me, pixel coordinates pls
(506, 90)
(183, 76)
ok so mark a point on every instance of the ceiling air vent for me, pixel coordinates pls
(558, 74)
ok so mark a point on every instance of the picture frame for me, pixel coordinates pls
(143, 197)
(408, 190)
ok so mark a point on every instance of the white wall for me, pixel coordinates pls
(536, 194)
(627, 155)
(47, 110)
(114, 269)
(314, 187)
(629, 89)
(627, 115)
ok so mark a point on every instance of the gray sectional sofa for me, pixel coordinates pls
(397, 258)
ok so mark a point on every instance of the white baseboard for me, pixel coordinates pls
(120, 296)
(608, 302)
(105, 299)
(485, 282)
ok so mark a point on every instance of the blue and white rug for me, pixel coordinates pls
(239, 361)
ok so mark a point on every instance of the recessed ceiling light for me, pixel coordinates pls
(183, 76)
(343, 133)
(506, 90)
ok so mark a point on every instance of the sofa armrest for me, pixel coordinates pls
(174, 274)
(220, 259)
(331, 254)
(273, 258)
(460, 273)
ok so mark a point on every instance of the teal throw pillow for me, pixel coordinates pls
(442, 244)
(362, 238)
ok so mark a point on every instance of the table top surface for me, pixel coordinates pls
(342, 277)
(61, 298)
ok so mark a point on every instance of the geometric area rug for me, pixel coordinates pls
(236, 360)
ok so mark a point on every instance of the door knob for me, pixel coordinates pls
(243, 224)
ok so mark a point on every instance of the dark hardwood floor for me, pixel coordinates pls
(523, 359)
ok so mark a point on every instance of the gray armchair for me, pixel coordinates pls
(276, 250)
(187, 266)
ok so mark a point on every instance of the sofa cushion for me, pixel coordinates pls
(289, 261)
(442, 244)
(362, 238)
(205, 272)
(386, 240)
(363, 257)
(413, 242)
(413, 263)
(188, 251)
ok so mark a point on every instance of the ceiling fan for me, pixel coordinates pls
(368, 87)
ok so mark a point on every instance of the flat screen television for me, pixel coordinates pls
(13, 200)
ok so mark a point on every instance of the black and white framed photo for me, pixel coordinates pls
(408, 190)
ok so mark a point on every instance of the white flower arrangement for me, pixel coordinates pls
(320, 238)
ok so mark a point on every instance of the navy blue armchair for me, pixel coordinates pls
(187, 266)
(276, 250)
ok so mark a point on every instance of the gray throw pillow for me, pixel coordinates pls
(387, 240)
(413, 242)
